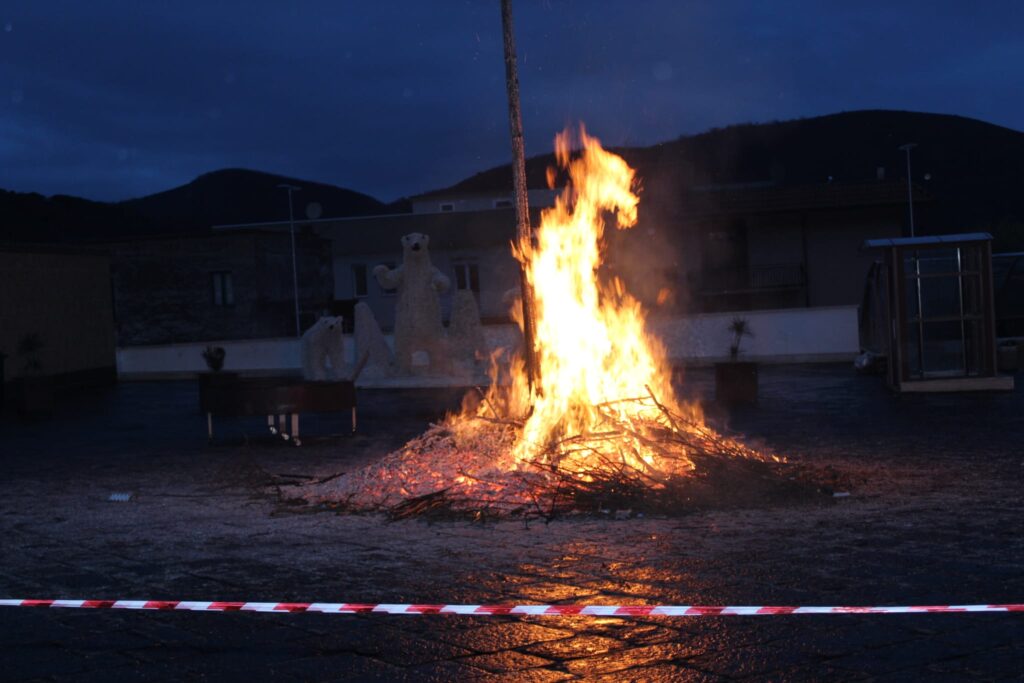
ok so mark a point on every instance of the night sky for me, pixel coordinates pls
(115, 99)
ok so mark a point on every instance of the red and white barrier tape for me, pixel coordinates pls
(489, 610)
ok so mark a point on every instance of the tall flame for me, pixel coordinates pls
(591, 342)
(603, 423)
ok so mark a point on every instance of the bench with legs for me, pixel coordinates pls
(281, 399)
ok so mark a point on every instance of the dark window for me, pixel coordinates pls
(359, 285)
(447, 207)
(467, 276)
(222, 288)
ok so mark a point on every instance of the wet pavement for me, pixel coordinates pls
(934, 517)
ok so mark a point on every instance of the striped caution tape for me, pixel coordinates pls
(490, 610)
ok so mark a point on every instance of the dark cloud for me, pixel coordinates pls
(116, 99)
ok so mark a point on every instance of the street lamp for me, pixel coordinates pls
(910, 191)
(295, 271)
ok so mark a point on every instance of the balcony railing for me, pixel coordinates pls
(759, 287)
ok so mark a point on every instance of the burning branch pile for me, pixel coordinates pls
(601, 429)
(461, 466)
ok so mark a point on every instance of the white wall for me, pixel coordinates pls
(788, 335)
(259, 355)
(782, 335)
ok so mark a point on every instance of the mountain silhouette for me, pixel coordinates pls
(221, 197)
(241, 196)
(971, 170)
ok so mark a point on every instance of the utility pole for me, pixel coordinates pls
(910, 188)
(295, 270)
(520, 196)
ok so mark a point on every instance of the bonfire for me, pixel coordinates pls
(602, 429)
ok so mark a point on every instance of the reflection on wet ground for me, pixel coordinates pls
(934, 517)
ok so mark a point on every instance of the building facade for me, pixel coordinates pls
(231, 285)
(786, 246)
(447, 202)
(732, 248)
(56, 314)
(472, 248)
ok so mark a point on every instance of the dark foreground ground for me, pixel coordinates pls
(935, 516)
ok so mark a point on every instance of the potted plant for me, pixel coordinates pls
(735, 380)
(32, 390)
(214, 357)
(216, 377)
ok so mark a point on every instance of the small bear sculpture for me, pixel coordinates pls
(321, 343)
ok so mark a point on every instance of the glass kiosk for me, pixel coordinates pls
(936, 297)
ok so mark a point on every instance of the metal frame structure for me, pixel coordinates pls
(912, 285)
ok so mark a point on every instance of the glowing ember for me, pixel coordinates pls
(603, 423)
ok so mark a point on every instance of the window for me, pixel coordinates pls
(359, 284)
(467, 276)
(447, 206)
(388, 292)
(222, 288)
(502, 203)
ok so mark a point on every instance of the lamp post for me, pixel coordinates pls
(910, 188)
(295, 270)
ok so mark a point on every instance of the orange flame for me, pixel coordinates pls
(591, 341)
(604, 413)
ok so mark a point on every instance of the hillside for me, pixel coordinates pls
(31, 217)
(242, 196)
(975, 173)
(220, 197)
(975, 169)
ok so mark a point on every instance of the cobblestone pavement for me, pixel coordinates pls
(934, 517)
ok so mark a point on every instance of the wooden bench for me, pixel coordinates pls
(279, 398)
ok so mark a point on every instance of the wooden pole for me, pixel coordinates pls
(520, 197)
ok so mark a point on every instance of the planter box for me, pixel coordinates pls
(274, 396)
(736, 383)
(230, 395)
(215, 379)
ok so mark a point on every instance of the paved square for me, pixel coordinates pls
(934, 517)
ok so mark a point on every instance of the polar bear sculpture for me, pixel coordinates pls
(321, 343)
(419, 334)
(371, 344)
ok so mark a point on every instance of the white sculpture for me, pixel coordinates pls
(323, 343)
(418, 328)
(371, 344)
(465, 334)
